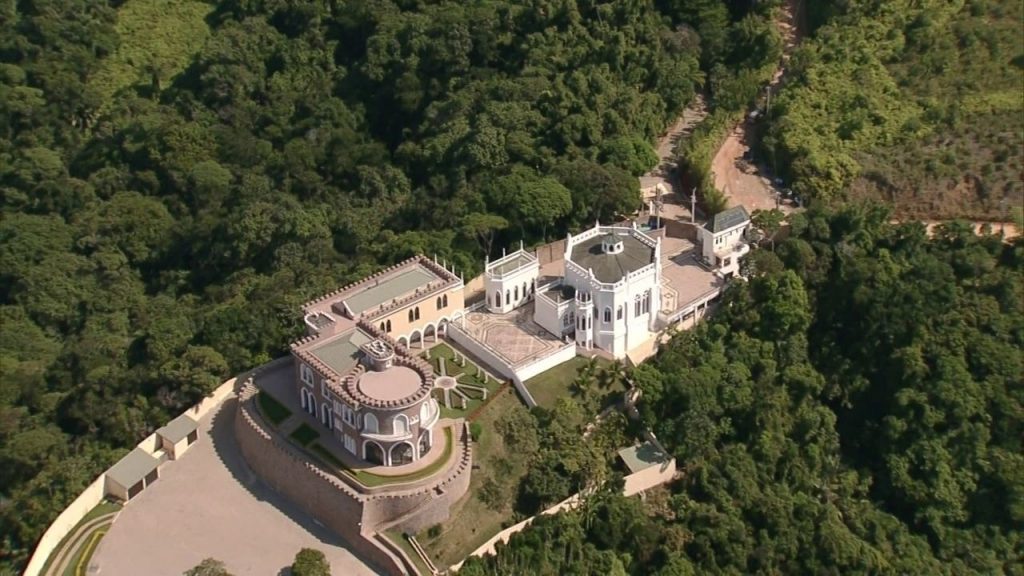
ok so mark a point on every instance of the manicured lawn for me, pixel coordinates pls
(472, 521)
(272, 409)
(547, 387)
(465, 375)
(305, 434)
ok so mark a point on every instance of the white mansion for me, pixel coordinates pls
(610, 293)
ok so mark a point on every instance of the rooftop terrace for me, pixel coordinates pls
(390, 288)
(511, 263)
(342, 353)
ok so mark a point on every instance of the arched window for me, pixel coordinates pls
(402, 454)
(647, 301)
(618, 313)
(497, 299)
(311, 404)
(424, 412)
(524, 288)
(400, 425)
(411, 318)
(302, 398)
(326, 416)
(516, 293)
(382, 328)
(636, 305)
(417, 312)
(373, 453)
(389, 327)
(444, 301)
(370, 424)
(508, 296)
(607, 315)
(439, 306)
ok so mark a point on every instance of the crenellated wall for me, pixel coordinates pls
(351, 513)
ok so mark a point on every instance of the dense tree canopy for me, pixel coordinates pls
(860, 410)
(917, 103)
(176, 180)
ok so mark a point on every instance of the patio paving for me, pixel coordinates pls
(210, 504)
(683, 279)
(513, 336)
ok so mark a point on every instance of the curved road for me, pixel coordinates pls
(79, 538)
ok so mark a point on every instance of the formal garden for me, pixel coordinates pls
(462, 386)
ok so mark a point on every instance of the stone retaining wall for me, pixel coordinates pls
(353, 515)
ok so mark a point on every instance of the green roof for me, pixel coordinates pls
(341, 353)
(388, 289)
(610, 268)
(642, 457)
(176, 430)
(132, 468)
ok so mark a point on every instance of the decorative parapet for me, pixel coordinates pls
(450, 279)
(425, 292)
(462, 466)
(530, 262)
(254, 421)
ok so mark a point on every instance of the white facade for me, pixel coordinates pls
(613, 311)
(723, 240)
(510, 281)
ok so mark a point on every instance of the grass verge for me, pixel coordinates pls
(304, 435)
(101, 509)
(402, 542)
(272, 408)
(548, 386)
(372, 480)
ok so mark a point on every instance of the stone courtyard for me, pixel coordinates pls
(683, 278)
(514, 336)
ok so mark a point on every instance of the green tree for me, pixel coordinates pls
(208, 567)
(311, 562)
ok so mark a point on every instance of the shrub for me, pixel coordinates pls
(475, 430)
(310, 562)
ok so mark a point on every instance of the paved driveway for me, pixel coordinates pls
(209, 504)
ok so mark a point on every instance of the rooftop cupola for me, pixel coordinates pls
(379, 355)
(611, 244)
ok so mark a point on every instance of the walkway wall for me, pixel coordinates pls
(568, 352)
(95, 493)
(635, 483)
(326, 498)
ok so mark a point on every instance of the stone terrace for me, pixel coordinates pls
(513, 336)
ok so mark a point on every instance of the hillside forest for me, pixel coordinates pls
(917, 104)
(855, 408)
(178, 176)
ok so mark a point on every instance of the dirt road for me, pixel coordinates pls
(674, 202)
(744, 183)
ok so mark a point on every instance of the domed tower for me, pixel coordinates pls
(396, 411)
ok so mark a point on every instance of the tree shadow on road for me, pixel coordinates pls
(222, 435)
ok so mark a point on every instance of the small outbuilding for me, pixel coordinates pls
(178, 435)
(132, 474)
